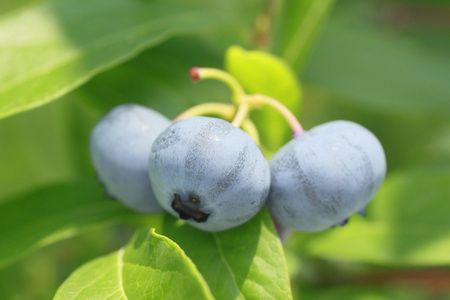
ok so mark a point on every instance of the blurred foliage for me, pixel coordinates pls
(383, 64)
(297, 28)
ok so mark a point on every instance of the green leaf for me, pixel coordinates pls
(263, 73)
(159, 78)
(407, 224)
(246, 262)
(34, 148)
(39, 274)
(298, 27)
(151, 266)
(50, 214)
(6, 6)
(78, 39)
(377, 70)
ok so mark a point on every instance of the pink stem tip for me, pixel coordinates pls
(195, 74)
(297, 132)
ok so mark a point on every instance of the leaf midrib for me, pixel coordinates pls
(119, 271)
(225, 263)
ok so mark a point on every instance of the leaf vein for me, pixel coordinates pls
(225, 263)
(119, 271)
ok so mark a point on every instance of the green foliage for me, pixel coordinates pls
(50, 214)
(381, 70)
(230, 265)
(392, 77)
(78, 40)
(166, 87)
(298, 25)
(31, 157)
(125, 274)
(246, 262)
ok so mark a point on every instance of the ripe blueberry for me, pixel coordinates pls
(209, 173)
(120, 145)
(324, 175)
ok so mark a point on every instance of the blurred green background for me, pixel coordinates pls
(383, 64)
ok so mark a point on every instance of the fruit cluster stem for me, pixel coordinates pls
(245, 102)
(226, 111)
(241, 114)
(237, 90)
(258, 99)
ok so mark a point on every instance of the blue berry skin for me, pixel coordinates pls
(209, 173)
(325, 175)
(120, 145)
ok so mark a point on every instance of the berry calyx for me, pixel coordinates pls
(189, 209)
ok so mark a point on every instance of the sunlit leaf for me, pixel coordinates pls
(246, 262)
(51, 47)
(151, 266)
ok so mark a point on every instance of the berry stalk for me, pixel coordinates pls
(258, 99)
(226, 111)
(245, 102)
(237, 90)
(241, 114)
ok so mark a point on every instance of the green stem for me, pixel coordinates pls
(245, 102)
(241, 114)
(226, 111)
(257, 99)
(237, 90)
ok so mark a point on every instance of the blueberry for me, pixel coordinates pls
(208, 173)
(324, 175)
(120, 145)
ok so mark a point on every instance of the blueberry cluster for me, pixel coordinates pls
(210, 173)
